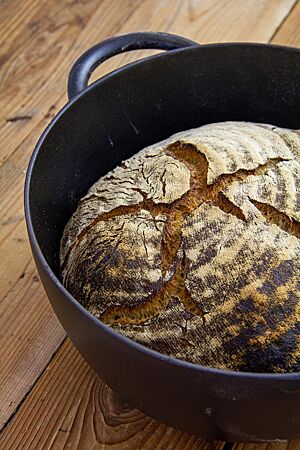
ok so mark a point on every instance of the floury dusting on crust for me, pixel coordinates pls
(191, 247)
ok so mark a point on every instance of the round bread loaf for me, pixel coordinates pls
(191, 247)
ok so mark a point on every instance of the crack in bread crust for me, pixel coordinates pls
(177, 210)
(152, 306)
(273, 216)
(200, 192)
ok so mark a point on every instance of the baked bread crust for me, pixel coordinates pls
(191, 247)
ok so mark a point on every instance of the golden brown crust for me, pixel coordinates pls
(191, 247)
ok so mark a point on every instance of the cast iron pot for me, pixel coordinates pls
(118, 115)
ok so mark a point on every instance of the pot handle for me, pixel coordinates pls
(92, 58)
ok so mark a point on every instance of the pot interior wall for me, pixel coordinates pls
(147, 102)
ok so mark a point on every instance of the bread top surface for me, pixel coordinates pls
(191, 247)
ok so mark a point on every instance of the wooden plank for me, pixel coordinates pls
(29, 335)
(251, 21)
(85, 414)
(15, 14)
(32, 62)
(289, 33)
(205, 22)
(34, 87)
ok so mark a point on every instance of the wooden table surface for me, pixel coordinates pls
(49, 397)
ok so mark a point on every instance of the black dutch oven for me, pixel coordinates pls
(135, 106)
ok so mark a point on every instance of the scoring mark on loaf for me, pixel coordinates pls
(156, 302)
(147, 203)
(273, 216)
(176, 212)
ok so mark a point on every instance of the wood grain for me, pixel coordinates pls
(39, 42)
(289, 33)
(29, 335)
(86, 414)
(203, 21)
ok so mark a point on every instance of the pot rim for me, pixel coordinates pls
(220, 373)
